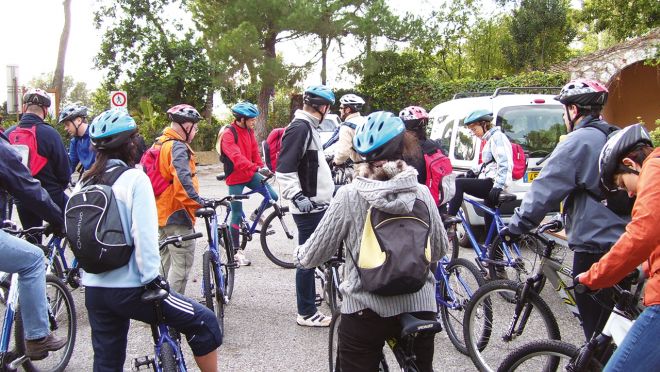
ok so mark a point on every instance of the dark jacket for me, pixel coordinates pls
(81, 151)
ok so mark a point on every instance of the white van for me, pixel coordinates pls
(532, 120)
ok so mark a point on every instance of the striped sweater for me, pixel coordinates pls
(343, 222)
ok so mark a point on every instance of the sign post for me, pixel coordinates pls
(118, 99)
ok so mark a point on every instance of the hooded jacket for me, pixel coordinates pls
(497, 158)
(343, 223)
(243, 157)
(344, 150)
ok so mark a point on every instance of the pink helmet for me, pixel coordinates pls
(414, 117)
(183, 113)
(583, 92)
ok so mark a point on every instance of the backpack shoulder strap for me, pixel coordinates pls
(110, 177)
(349, 124)
(606, 129)
(233, 130)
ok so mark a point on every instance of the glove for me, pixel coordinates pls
(302, 203)
(509, 236)
(470, 174)
(159, 283)
(494, 195)
(58, 231)
(265, 172)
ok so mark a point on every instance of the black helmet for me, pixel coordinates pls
(620, 144)
(37, 97)
(583, 93)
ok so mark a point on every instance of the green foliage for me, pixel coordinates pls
(279, 110)
(655, 134)
(151, 121)
(483, 48)
(622, 18)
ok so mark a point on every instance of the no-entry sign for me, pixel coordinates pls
(118, 99)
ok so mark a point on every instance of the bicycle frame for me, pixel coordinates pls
(12, 302)
(212, 229)
(442, 278)
(163, 336)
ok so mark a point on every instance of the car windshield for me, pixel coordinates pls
(536, 128)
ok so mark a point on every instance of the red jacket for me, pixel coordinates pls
(243, 155)
(641, 241)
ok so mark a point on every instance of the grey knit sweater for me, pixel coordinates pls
(344, 222)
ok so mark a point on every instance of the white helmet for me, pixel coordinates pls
(352, 101)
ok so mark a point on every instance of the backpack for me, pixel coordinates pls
(28, 138)
(439, 177)
(218, 147)
(335, 135)
(395, 251)
(150, 164)
(94, 228)
(519, 161)
(271, 147)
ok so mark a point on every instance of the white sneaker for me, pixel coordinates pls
(316, 320)
(241, 259)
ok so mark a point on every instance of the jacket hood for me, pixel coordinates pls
(396, 195)
(301, 114)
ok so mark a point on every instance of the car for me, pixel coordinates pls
(532, 120)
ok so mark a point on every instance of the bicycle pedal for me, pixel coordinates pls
(144, 361)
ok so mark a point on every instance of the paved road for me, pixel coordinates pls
(261, 332)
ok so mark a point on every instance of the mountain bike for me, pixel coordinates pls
(279, 222)
(329, 276)
(402, 346)
(168, 356)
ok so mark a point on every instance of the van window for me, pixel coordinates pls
(466, 143)
(536, 128)
(443, 130)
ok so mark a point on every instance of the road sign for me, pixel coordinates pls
(118, 99)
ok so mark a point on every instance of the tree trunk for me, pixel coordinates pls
(324, 59)
(267, 88)
(58, 76)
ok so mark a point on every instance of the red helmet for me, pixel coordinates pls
(414, 117)
(37, 97)
(583, 92)
(183, 113)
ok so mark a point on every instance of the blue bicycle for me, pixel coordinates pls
(57, 262)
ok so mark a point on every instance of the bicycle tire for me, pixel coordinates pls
(60, 296)
(279, 223)
(530, 250)
(212, 294)
(167, 358)
(467, 279)
(540, 323)
(333, 341)
(452, 234)
(228, 269)
(553, 351)
(334, 298)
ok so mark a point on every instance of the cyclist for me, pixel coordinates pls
(571, 175)
(628, 161)
(387, 183)
(25, 259)
(243, 165)
(113, 297)
(494, 174)
(349, 109)
(178, 203)
(55, 173)
(74, 118)
(416, 119)
(305, 178)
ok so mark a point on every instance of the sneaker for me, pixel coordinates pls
(315, 320)
(38, 349)
(241, 259)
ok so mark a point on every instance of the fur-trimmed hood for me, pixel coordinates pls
(395, 192)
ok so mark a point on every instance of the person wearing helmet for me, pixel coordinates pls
(350, 106)
(629, 162)
(490, 178)
(178, 203)
(113, 298)
(387, 184)
(54, 171)
(305, 179)
(416, 119)
(243, 165)
(74, 119)
(571, 176)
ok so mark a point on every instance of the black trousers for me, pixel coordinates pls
(477, 187)
(31, 218)
(362, 336)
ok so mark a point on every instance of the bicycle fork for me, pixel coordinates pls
(521, 312)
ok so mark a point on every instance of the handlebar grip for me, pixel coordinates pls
(240, 197)
(192, 236)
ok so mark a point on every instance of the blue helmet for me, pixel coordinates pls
(245, 110)
(381, 137)
(317, 95)
(111, 129)
(477, 116)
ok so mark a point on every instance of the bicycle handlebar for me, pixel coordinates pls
(11, 228)
(178, 239)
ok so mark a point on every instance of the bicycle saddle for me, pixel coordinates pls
(411, 325)
(504, 197)
(153, 295)
(205, 212)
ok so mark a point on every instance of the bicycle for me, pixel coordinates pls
(168, 356)
(61, 317)
(330, 276)
(218, 272)
(553, 355)
(278, 222)
(526, 316)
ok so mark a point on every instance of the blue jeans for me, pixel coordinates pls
(639, 350)
(237, 206)
(27, 260)
(305, 286)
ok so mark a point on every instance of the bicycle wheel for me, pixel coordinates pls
(167, 358)
(211, 289)
(333, 342)
(535, 321)
(463, 280)
(452, 234)
(332, 280)
(525, 264)
(545, 355)
(62, 317)
(279, 237)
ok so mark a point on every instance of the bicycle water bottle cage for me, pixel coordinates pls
(411, 325)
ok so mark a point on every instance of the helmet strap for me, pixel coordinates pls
(571, 121)
(186, 132)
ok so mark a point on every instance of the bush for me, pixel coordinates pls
(655, 134)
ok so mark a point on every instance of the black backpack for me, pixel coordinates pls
(93, 225)
(395, 251)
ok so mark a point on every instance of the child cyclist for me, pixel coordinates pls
(243, 165)
(112, 298)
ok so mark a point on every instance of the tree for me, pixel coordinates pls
(484, 57)
(79, 93)
(622, 18)
(58, 76)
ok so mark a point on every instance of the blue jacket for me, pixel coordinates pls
(15, 178)
(81, 151)
(55, 176)
(137, 210)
